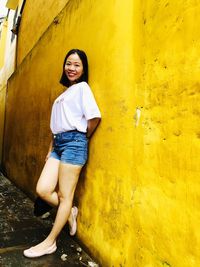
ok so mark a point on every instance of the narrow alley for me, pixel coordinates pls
(19, 229)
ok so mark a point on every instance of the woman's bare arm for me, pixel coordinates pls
(92, 125)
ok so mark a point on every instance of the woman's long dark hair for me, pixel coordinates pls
(84, 77)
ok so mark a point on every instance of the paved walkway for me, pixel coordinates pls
(19, 229)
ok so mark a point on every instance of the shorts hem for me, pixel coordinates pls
(73, 163)
(51, 156)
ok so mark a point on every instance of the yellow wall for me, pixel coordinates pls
(37, 15)
(7, 66)
(2, 113)
(12, 4)
(2, 82)
(3, 42)
(139, 194)
(166, 199)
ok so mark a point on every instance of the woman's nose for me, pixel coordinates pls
(71, 67)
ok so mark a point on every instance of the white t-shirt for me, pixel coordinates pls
(73, 108)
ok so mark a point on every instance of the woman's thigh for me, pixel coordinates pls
(49, 177)
(68, 178)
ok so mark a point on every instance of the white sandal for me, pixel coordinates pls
(73, 226)
(30, 253)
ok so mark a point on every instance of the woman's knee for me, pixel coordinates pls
(63, 198)
(43, 192)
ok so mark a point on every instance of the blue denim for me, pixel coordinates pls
(70, 147)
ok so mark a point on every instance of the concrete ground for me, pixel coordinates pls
(20, 229)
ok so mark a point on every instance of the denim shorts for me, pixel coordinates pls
(70, 147)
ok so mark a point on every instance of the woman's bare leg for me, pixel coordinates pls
(68, 178)
(48, 181)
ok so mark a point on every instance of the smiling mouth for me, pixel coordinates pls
(71, 74)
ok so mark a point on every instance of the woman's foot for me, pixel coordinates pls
(40, 250)
(72, 221)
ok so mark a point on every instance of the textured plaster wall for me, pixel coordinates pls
(166, 200)
(139, 195)
(37, 16)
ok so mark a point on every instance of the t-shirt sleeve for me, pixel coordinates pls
(90, 107)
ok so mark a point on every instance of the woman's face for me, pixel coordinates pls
(73, 68)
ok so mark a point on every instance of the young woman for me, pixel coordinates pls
(75, 116)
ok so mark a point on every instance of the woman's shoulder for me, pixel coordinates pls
(84, 84)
